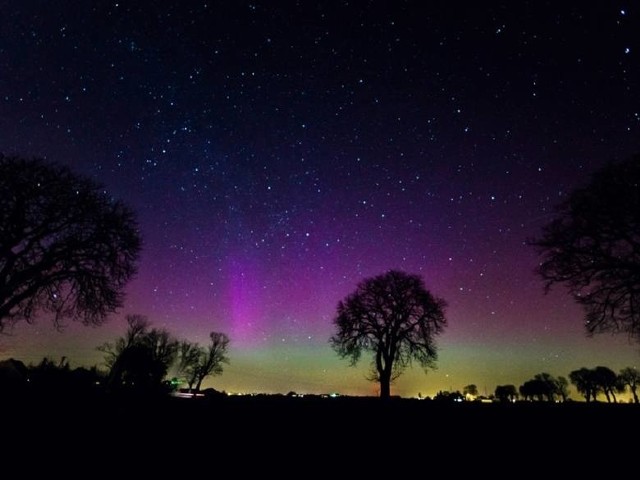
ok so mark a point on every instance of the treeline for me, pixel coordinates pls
(136, 363)
(544, 387)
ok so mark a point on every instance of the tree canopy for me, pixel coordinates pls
(394, 317)
(545, 387)
(140, 360)
(66, 247)
(593, 247)
(630, 377)
(506, 393)
(591, 382)
(197, 363)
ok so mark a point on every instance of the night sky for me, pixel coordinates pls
(277, 153)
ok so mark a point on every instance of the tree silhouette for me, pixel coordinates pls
(586, 383)
(562, 388)
(470, 390)
(138, 325)
(198, 363)
(445, 396)
(549, 385)
(140, 360)
(14, 375)
(189, 355)
(394, 317)
(49, 377)
(608, 382)
(506, 393)
(630, 377)
(545, 386)
(66, 248)
(534, 389)
(593, 247)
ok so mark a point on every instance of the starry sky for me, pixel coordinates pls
(277, 153)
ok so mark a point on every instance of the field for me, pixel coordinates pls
(354, 436)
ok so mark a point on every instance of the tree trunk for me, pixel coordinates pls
(635, 395)
(385, 386)
(191, 381)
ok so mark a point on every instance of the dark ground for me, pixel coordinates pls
(312, 437)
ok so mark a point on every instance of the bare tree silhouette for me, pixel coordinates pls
(198, 363)
(396, 318)
(593, 247)
(66, 248)
(140, 360)
(630, 377)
